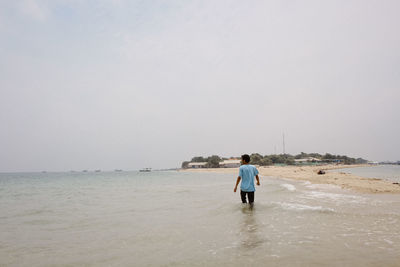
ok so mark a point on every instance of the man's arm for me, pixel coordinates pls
(237, 183)
(258, 180)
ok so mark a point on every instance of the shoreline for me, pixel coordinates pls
(309, 173)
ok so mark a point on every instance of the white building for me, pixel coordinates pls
(230, 163)
(309, 159)
(196, 165)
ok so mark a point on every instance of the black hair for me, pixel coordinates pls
(246, 158)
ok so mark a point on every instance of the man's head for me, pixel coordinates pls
(245, 159)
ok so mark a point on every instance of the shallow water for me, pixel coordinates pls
(182, 218)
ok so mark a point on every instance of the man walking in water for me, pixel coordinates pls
(247, 173)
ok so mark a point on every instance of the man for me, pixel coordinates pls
(247, 173)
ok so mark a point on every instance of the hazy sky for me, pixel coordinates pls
(129, 84)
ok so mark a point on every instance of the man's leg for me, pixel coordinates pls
(243, 196)
(251, 197)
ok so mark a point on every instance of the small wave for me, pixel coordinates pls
(33, 212)
(301, 207)
(183, 191)
(321, 186)
(335, 197)
(289, 187)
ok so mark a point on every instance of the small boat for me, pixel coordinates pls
(97, 170)
(118, 170)
(145, 170)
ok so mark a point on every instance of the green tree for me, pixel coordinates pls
(289, 161)
(328, 156)
(213, 161)
(266, 161)
(302, 155)
(198, 159)
(275, 159)
(361, 161)
(185, 164)
(255, 158)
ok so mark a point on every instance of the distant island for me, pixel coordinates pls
(274, 159)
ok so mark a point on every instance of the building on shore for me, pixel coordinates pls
(230, 163)
(308, 160)
(197, 165)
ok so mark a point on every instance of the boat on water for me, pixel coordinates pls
(145, 170)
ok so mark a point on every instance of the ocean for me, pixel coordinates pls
(386, 172)
(174, 218)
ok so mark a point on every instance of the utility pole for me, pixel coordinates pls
(283, 138)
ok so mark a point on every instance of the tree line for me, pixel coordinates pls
(267, 160)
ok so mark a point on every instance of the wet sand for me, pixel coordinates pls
(310, 173)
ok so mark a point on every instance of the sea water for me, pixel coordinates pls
(190, 219)
(387, 172)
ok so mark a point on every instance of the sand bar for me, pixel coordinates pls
(310, 173)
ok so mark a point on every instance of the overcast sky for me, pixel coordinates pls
(130, 84)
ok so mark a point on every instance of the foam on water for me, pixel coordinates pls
(289, 187)
(334, 197)
(301, 207)
(321, 186)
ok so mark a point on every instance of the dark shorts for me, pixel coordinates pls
(250, 196)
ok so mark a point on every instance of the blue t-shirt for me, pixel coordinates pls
(247, 173)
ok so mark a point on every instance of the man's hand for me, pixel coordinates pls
(258, 182)
(237, 183)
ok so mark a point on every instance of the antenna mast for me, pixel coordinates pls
(283, 138)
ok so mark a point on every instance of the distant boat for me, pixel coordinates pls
(118, 170)
(145, 170)
(84, 171)
(97, 170)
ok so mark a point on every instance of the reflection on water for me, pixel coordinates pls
(250, 234)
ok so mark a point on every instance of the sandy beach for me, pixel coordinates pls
(310, 173)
